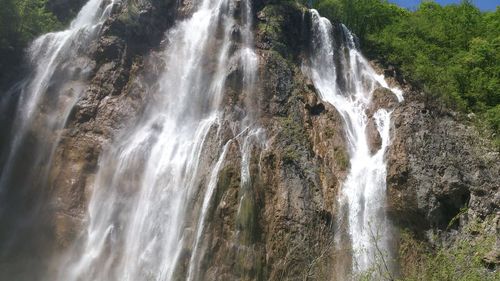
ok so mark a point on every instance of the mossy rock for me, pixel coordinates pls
(341, 158)
(279, 28)
(462, 260)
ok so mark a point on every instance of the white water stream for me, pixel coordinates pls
(59, 66)
(47, 96)
(155, 184)
(345, 79)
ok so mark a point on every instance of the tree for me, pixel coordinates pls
(22, 21)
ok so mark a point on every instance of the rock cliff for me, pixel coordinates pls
(442, 174)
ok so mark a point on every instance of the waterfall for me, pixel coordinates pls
(43, 100)
(153, 194)
(344, 78)
(47, 96)
(155, 184)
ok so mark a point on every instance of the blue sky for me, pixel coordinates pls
(484, 5)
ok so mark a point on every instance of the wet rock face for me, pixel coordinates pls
(286, 225)
(115, 94)
(382, 98)
(437, 167)
(301, 172)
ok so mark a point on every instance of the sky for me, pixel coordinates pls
(484, 5)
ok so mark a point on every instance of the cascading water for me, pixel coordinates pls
(153, 194)
(48, 95)
(44, 100)
(155, 184)
(345, 79)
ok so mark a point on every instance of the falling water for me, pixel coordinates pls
(155, 184)
(48, 95)
(345, 79)
(43, 101)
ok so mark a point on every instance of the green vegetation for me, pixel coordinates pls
(463, 261)
(452, 53)
(341, 158)
(363, 17)
(22, 21)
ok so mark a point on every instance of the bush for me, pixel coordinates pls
(460, 262)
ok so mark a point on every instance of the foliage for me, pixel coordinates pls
(22, 21)
(34, 19)
(452, 53)
(460, 262)
(363, 17)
